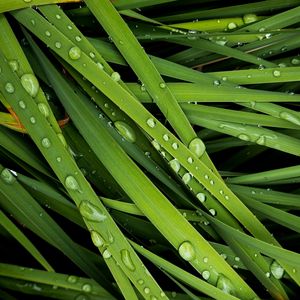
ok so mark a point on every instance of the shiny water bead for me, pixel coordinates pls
(175, 165)
(78, 38)
(261, 140)
(166, 137)
(175, 146)
(32, 120)
(57, 45)
(115, 76)
(75, 53)
(72, 279)
(295, 61)
(197, 147)
(69, 27)
(106, 254)
(151, 122)
(250, 18)
(212, 211)
(14, 65)
(146, 290)
(44, 110)
(87, 288)
(91, 212)
(190, 160)
(126, 131)
(186, 178)
(225, 285)
(156, 145)
(289, 117)
(9, 88)
(231, 25)
(140, 281)
(187, 251)
(162, 85)
(46, 143)
(201, 197)
(97, 239)
(30, 84)
(22, 104)
(62, 139)
(7, 176)
(244, 137)
(276, 73)
(48, 33)
(276, 270)
(205, 274)
(71, 183)
(126, 259)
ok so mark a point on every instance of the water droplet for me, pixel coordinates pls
(46, 143)
(166, 137)
(276, 73)
(237, 258)
(71, 183)
(175, 146)
(211, 182)
(205, 274)
(91, 212)
(143, 89)
(212, 211)
(27, 1)
(106, 254)
(97, 239)
(22, 104)
(115, 76)
(126, 131)
(151, 122)
(295, 61)
(190, 160)
(82, 297)
(201, 197)
(205, 259)
(268, 274)
(126, 259)
(100, 66)
(186, 251)
(244, 137)
(225, 285)
(75, 53)
(72, 279)
(262, 29)
(250, 18)
(30, 84)
(48, 33)
(58, 45)
(87, 288)
(186, 178)
(261, 140)
(146, 290)
(232, 25)
(276, 270)
(175, 165)
(223, 255)
(58, 159)
(289, 117)
(78, 38)
(197, 147)
(7, 176)
(140, 281)
(162, 294)
(44, 110)
(14, 65)
(9, 88)
(216, 82)
(156, 145)
(32, 120)
(162, 85)
(69, 27)
(173, 294)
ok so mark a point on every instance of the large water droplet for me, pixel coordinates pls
(7, 176)
(250, 18)
(9, 88)
(225, 285)
(186, 251)
(71, 183)
(106, 254)
(151, 122)
(166, 137)
(186, 178)
(72, 279)
(126, 131)
(126, 259)
(212, 211)
(205, 274)
(115, 76)
(175, 165)
(87, 288)
(46, 143)
(91, 212)
(197, 147)
(44, 110)
(75, 53)
(276, 270)
(30, 84)
(97, 239)
(201, 197)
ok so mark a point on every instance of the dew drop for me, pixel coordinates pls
(162, 294)
(106, 254)
(75, 53)
(100, 66)
(151, 122)
(46, 143)
(72, 279)
(250, 18)
(205, 274)
(295, 61)
(97, 239)
(212, 211)
(126, 131)
(166, 137)
(175, 165)
(62, 139)
(276, 270)
(223, 255)
(225, 285)
(32, 120)
(87, 288)
(146, 290)
(22, 104)
(205, 259)
(186, 251)
(91, 212)
(289, 117)
(186, 178)
(268, 274)
(30, 84)
(140, 281)
(276, 73)
(126, 259)
(261, 140)
(162, 85)
(44, 110)
(115, 76)
(14, 65)
(9, 88)
(58, 45)
(232, 25)
(201, 197)
(71, 183)
(7, 176)
(190, 160)
(78, 38)
(197, 147)
(27, 1)
(47, 33)
(69, 27)
(58, 17)
(82, 297)
(175, 146)
(244, 137)
(58, 159)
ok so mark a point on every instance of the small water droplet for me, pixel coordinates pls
(27, 1)
(186, 178)
(7, 176)
(72, 279)
(232, 25)
(175, 165)
(14, 65)
(205, 274)
(187, 251)
(225, 285)
(295, 61)
(244, 137)
(190, 160)
(57, 45)
(175, 146)
(268, 274)
(9, 88)
(106, 254)
(250, 18)
(69, 27)
(276, 73)
(276, 270)
(100, 66)
(289, 117)
(91, 212)
(58, 159)
(75, 53)
(166, 137)
(205, 259)
(87, 288)
(30, 84)
(212, 211)
(126, 131)
(151, 122)
(237, 258)
(126, 259)
(146, 290)
(261, 140)
(162, 85)
(32, 120)
(140, 281)
(223, 255)
(217, 82)
(48, 33)
(201, 197)
(197, 147)
(46, 143)
(44, 110)
(97, 239)
(22, 104)
(115, 76)
(78, 38)
(156, 145)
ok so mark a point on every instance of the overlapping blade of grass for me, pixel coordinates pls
(134, 183)
(95, 215)
(21, 238)
(140, 115)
